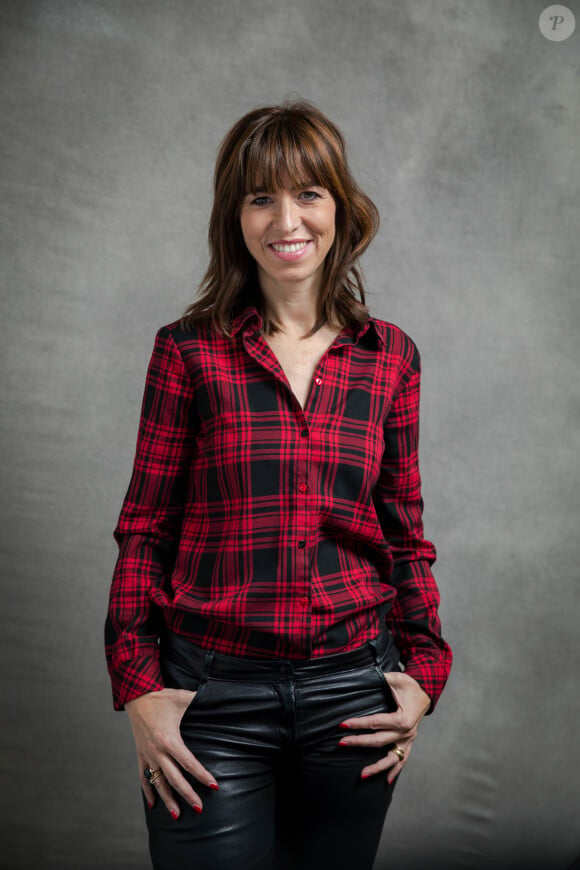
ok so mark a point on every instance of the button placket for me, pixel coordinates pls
(302, 577)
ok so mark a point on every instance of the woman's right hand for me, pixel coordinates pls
(155, 719)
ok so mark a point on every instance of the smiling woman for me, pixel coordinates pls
(296, 151)
(272, 573)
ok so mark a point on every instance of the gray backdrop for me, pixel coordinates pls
(463, 122)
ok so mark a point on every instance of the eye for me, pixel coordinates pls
(309, 195)
(262, 199)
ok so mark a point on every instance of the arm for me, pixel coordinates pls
(413, 619)
(148, 527)
(147, 534)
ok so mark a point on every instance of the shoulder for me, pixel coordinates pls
(185, 338)
(176, 331)
(396, 344)
(197, 347)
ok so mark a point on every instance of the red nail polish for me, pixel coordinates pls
(150, 805)
(364, 775)
(197, 809)
(173, 814)
(214, 785)
(343, 725)
(342, 743)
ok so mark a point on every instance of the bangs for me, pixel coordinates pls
(286, 155)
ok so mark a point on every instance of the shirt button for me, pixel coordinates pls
(304, 433)
(304, 601)
(303, 487)
(301, 545)
(317, 381)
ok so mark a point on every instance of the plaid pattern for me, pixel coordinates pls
(256, 528)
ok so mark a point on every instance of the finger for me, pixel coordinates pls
(173, 779)
(189, 762)
(392, 770)
(148, 792)
(376, 722)
(162, 785)
(148, 789)
(391, 763)
(167, 795)
(377, 738)
(384, 764)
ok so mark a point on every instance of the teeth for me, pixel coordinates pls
(290, 249)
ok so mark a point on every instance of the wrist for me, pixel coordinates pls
(405, 682)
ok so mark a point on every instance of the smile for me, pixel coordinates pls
(291, 248)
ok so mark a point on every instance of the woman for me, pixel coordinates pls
(272, 570)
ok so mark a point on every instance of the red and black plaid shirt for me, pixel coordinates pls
(257, 528)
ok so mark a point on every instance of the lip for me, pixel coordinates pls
(290, 256)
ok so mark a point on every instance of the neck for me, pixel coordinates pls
(292, 307)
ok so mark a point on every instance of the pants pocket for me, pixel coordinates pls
(180, 672)
(390, 660)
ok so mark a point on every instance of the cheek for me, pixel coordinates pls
(332, 224)
(331, 235)
(247, 232)
(253, 229)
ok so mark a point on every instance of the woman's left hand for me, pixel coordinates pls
(398, 728)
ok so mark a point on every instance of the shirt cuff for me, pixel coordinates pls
(431, 676)
(134, 678)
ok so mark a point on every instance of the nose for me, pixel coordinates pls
(286, 213)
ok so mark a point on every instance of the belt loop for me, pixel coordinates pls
(207, 664)
(379, 645)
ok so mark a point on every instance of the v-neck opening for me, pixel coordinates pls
(304, 406)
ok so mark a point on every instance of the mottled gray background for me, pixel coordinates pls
(463, 123)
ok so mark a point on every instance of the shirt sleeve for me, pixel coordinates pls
(148, 528)
(413, 619)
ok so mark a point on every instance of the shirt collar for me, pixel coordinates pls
(250, 316)
(245, 317)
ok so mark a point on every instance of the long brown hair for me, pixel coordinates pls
(292, 145)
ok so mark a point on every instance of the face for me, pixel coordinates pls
(289, 233)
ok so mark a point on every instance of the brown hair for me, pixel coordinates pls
(292, 145)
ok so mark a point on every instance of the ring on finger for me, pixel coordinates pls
(152, 775)
(398, 751)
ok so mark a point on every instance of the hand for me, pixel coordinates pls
(155, 719)
(399, 727)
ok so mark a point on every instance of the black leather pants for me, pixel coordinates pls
(268, 730)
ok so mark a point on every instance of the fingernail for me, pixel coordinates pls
(197, 808)
(214, 785)
(150, 805)
(342, 743)
(343, 725)
(364, 775)
(174, 814)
